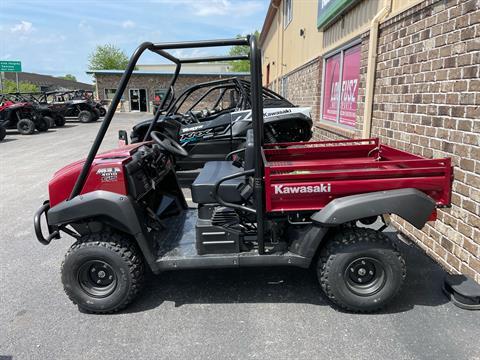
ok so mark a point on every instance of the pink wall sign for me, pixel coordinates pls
(345, 91)
(331, 88)
(350, 80)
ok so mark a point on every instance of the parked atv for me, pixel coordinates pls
(88, 95)
(21, 116)
(49, 112)
(81, 109)
(289, 204)
(211, 120)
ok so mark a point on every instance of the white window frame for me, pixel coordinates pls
(287, 12)
(341, 50)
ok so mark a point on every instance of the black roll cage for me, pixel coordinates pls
(256, 100)
(212, 86)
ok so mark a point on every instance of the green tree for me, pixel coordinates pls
(10, 86)
(68, 77)
(108, 57)
(241, 65)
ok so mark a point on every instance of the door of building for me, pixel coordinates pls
(138, 100)
(143, 100)
(134, 100)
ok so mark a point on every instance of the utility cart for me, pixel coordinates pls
(288, 204)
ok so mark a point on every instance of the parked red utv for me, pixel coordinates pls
(21, 116)
(289, 204)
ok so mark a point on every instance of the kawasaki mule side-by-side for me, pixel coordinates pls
(288, 204)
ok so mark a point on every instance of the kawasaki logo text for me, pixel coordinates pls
(310, 189)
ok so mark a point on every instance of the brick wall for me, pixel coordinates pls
(427, 101)
(303, 86)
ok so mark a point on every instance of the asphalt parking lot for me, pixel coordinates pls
(211, 314)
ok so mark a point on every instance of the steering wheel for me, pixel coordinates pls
(168, 144)
(193, 116)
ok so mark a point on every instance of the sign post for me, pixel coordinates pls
(10, 66)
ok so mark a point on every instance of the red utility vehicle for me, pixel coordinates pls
(21, 116)
(289, 204)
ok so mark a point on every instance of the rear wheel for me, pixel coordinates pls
(26, 126)
(85, 116)
(3, 133)
(43, 124)
(361, 270)
(102, 273)
(59, 120)
(96, 114)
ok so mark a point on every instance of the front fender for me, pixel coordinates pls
(117, 209)
(411, 205)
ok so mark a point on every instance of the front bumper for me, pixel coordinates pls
(53, 233)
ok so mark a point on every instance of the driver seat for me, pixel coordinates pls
(212, 172)
(234, 190)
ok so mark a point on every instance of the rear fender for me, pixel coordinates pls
(411, 205)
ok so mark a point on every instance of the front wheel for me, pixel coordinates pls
(103, 111)
(361, 270)
(85, 116)
(102, 273)
(59, 120)
(26, 126)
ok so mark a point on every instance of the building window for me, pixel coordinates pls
(288, 14)
(340, 81)
(110, 93)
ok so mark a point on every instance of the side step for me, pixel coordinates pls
(212, 261)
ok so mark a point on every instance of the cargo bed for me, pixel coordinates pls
(307, 176)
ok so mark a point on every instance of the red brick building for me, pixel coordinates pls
(404, 71)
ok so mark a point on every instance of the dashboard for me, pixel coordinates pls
(148, 167)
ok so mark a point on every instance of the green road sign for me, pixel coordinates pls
(10, 66)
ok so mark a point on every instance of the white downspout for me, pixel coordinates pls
(371, 68)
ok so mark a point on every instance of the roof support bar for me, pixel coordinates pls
(108, 119)
(257, 121)
(160, 50)
(214, 58)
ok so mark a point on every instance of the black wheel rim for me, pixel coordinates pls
(365, 276)
(97, 278)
